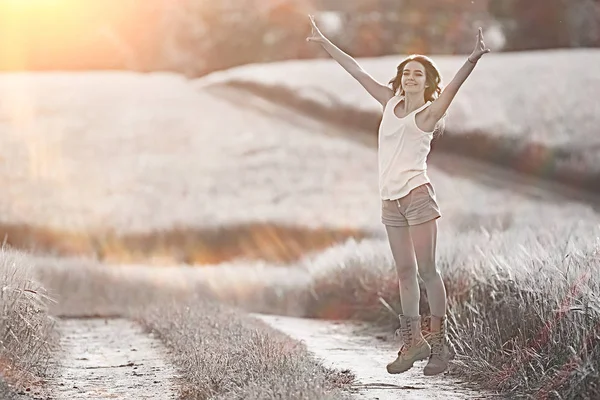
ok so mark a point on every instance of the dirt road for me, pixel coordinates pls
(339, 346)
(111, 359)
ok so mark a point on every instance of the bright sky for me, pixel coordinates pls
(33, 33)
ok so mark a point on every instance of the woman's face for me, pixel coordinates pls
(413, 77)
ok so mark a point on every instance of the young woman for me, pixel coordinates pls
(413, 108)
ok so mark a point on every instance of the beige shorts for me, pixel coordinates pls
(417, 207)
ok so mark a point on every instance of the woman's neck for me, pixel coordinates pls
(412, 101)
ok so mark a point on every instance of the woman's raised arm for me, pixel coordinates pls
(438, 108)
(380, 92)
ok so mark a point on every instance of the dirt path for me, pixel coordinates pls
(342, 346)
(111, 359)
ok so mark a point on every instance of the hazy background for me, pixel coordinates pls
(196, 37)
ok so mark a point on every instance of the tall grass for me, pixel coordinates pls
(27, 335)
(523, 302)
(523, 289)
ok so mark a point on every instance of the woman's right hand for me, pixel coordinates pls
(316, 35)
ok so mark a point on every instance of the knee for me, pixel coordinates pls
(407, 273)
(429, 273)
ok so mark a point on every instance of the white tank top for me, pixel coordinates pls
(402, 152)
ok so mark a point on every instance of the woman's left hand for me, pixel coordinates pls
(479, 49)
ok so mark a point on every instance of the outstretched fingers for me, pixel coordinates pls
(480, 45)
(479, 37)
(315, 35)
(312, 20)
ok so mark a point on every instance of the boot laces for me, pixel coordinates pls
(437, 340)
(406, 333)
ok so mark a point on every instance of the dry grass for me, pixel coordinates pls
(268, 242)
(231, 356)
(524, 305)
(516, 291)
(27, 335)
(6, 391)
(85, 287)
(506, 276)
(219, 352)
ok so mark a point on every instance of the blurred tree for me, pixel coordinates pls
(583, 19)
(413, 26)
(532, 24)
(201, 36)
(197, 37)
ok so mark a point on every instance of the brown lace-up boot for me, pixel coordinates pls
(442, 350)
(414, 348)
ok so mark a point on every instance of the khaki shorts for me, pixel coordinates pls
(417, 207)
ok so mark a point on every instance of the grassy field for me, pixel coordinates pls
(200, 330)
(535, 95)
(524, 305)
(527, 111)
(175, 172)
(283, 212)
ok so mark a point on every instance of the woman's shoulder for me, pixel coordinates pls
(398, 98)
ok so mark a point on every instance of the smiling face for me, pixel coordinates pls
(413, 77)
(418, 74)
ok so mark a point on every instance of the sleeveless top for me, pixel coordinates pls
(402, 152)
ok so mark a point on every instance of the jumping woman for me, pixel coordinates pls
(414, 108)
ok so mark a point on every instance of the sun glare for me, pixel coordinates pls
(38, 34)
(38, 6)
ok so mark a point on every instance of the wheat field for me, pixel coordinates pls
(544, 97)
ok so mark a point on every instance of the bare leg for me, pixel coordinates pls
(406, 266)
(442, 351)
(414, 347)
(424, 237)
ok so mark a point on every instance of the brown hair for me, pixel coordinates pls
(433, 79)
(432, 76)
